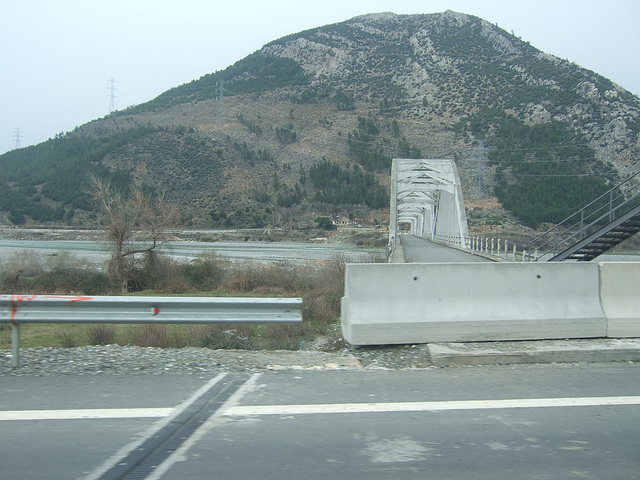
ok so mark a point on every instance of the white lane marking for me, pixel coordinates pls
(234, 410)
(155, 428)
(181, 453)
(85, 413)
(231, 409)
(247, 410)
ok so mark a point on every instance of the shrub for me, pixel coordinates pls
(68, 338)
(68, 274)
(61, 273)
(150, 335)
(161, 273)
(20, 270)
(285, 336)
(245, 280)
(223, 337)
(325, 223)
(206, 271)
(272, 277)
(101, 334)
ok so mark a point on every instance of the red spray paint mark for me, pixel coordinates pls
(15, 300)
(71, 299)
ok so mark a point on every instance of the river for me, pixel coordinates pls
(294, 252)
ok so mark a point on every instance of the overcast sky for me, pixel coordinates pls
(58, 56)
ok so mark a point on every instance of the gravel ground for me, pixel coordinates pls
(126, 360)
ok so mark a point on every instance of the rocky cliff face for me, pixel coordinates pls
(453, 65)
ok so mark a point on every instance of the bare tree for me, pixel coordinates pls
(136, 224)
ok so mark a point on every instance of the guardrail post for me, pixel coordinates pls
(15, 345)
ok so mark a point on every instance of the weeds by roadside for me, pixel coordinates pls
(321, 286)
(101, 334)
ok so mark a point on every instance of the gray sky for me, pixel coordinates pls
(58, 56)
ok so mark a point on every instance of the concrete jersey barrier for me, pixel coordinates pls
(620, 297)
(458, 302)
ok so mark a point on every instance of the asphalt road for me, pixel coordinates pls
(420, 250)
(493, 422)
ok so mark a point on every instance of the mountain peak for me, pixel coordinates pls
(375, 17)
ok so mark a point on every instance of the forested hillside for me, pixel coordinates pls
(309, 125)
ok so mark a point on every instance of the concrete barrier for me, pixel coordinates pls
(620, 297)
(458, 302)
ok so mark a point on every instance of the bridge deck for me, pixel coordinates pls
(420, 250)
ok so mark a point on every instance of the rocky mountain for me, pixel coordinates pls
(308, 126)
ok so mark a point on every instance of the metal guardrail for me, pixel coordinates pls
(597, 214)
(19, 309)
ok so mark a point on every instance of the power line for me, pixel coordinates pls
(266, 112)
(279, 115)
(525, 161)
(523, 175)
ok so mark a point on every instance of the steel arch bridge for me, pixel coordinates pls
(426, 195)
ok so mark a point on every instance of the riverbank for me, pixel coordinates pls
(369, 237)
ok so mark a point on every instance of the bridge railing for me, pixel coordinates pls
(499, 248)
(456, 240)
(19, 309)
(391, 246)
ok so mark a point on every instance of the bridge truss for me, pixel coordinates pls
(426, 198)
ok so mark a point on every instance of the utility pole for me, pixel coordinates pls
(480, 185)
(112, 95)
(17, 137)
(222, 116)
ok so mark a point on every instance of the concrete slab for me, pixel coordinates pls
(540, 351)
